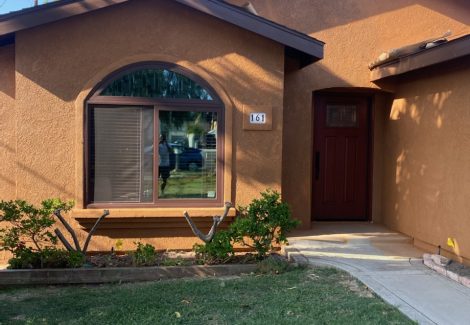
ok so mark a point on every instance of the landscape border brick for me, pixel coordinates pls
(118, 274)
(462, 279)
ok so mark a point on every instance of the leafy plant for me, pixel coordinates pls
(273, 265)
(264, 221)
(144, 255)
(218, 250)
(25, 259)
(49, 257)
(75, 259)
(29, 226)
(260, 225)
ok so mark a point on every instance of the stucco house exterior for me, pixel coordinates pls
(238, 99)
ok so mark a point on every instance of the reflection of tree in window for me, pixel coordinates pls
(156, 83)
(194, 175)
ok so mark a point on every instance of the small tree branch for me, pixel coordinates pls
(92, 231)
(63, 240)
(69, 229)
(216, 221)
(246, 244)
(205, 238)
(35, 242)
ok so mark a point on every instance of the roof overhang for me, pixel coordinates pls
(445, 52)
(298, 45)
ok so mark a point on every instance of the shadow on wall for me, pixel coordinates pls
(7, 177)
(426, 172)
(7, 71)
(229, 61)
(311, 16)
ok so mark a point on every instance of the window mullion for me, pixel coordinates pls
(156, 129)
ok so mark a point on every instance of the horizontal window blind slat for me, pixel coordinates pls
(116, 138)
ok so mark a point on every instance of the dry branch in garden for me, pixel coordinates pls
(216, 221)
(74, 235)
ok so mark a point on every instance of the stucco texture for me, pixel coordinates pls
(426, 160)
(355, 33)
(7, 127)
(58, 64)
(7, 123)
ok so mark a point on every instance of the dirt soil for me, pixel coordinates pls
(168, 258)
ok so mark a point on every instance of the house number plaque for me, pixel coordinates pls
(257, 118)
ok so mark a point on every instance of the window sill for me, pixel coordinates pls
(118, 213)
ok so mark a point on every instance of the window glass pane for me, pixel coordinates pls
(187, 155)
(121, 154)
(156, 83)
(341, 116)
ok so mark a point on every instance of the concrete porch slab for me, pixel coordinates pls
(388, 264)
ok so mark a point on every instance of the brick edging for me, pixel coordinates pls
(464, 280)
(118, 274)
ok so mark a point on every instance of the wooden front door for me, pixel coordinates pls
(340, 185)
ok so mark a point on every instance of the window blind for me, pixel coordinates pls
(116, 154)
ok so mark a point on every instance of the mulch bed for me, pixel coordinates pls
(168, 258)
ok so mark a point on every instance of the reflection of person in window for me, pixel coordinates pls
(164, 151)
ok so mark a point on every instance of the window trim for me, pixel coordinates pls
(158, 104)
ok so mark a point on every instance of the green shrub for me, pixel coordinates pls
(273, 265)
(75, 260)
(53, 258)
(29, 238)
(218, 250)
(47, 258)
(265, 221)
(29, 226)
(25, 259)
(144, 255)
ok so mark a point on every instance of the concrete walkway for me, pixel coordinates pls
(389, 265)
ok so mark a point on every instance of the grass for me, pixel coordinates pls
(188, 184)
(301, 296)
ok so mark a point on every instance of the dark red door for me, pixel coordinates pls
(340, 158)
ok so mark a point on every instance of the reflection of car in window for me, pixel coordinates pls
(189, 158)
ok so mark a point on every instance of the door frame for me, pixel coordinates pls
(344, 93)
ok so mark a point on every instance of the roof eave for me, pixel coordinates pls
(48, 13)
(443, 53)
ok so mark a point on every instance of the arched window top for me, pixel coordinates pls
(157, 81)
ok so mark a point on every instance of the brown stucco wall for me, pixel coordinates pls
(7, 127)
(427, 156)
(355, 32)
(58, 64)
(7, 123)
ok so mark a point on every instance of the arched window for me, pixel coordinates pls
(154, 138)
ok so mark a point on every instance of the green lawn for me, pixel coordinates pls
(189, 184)
(302, 296)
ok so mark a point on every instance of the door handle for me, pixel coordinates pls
(317, 165)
